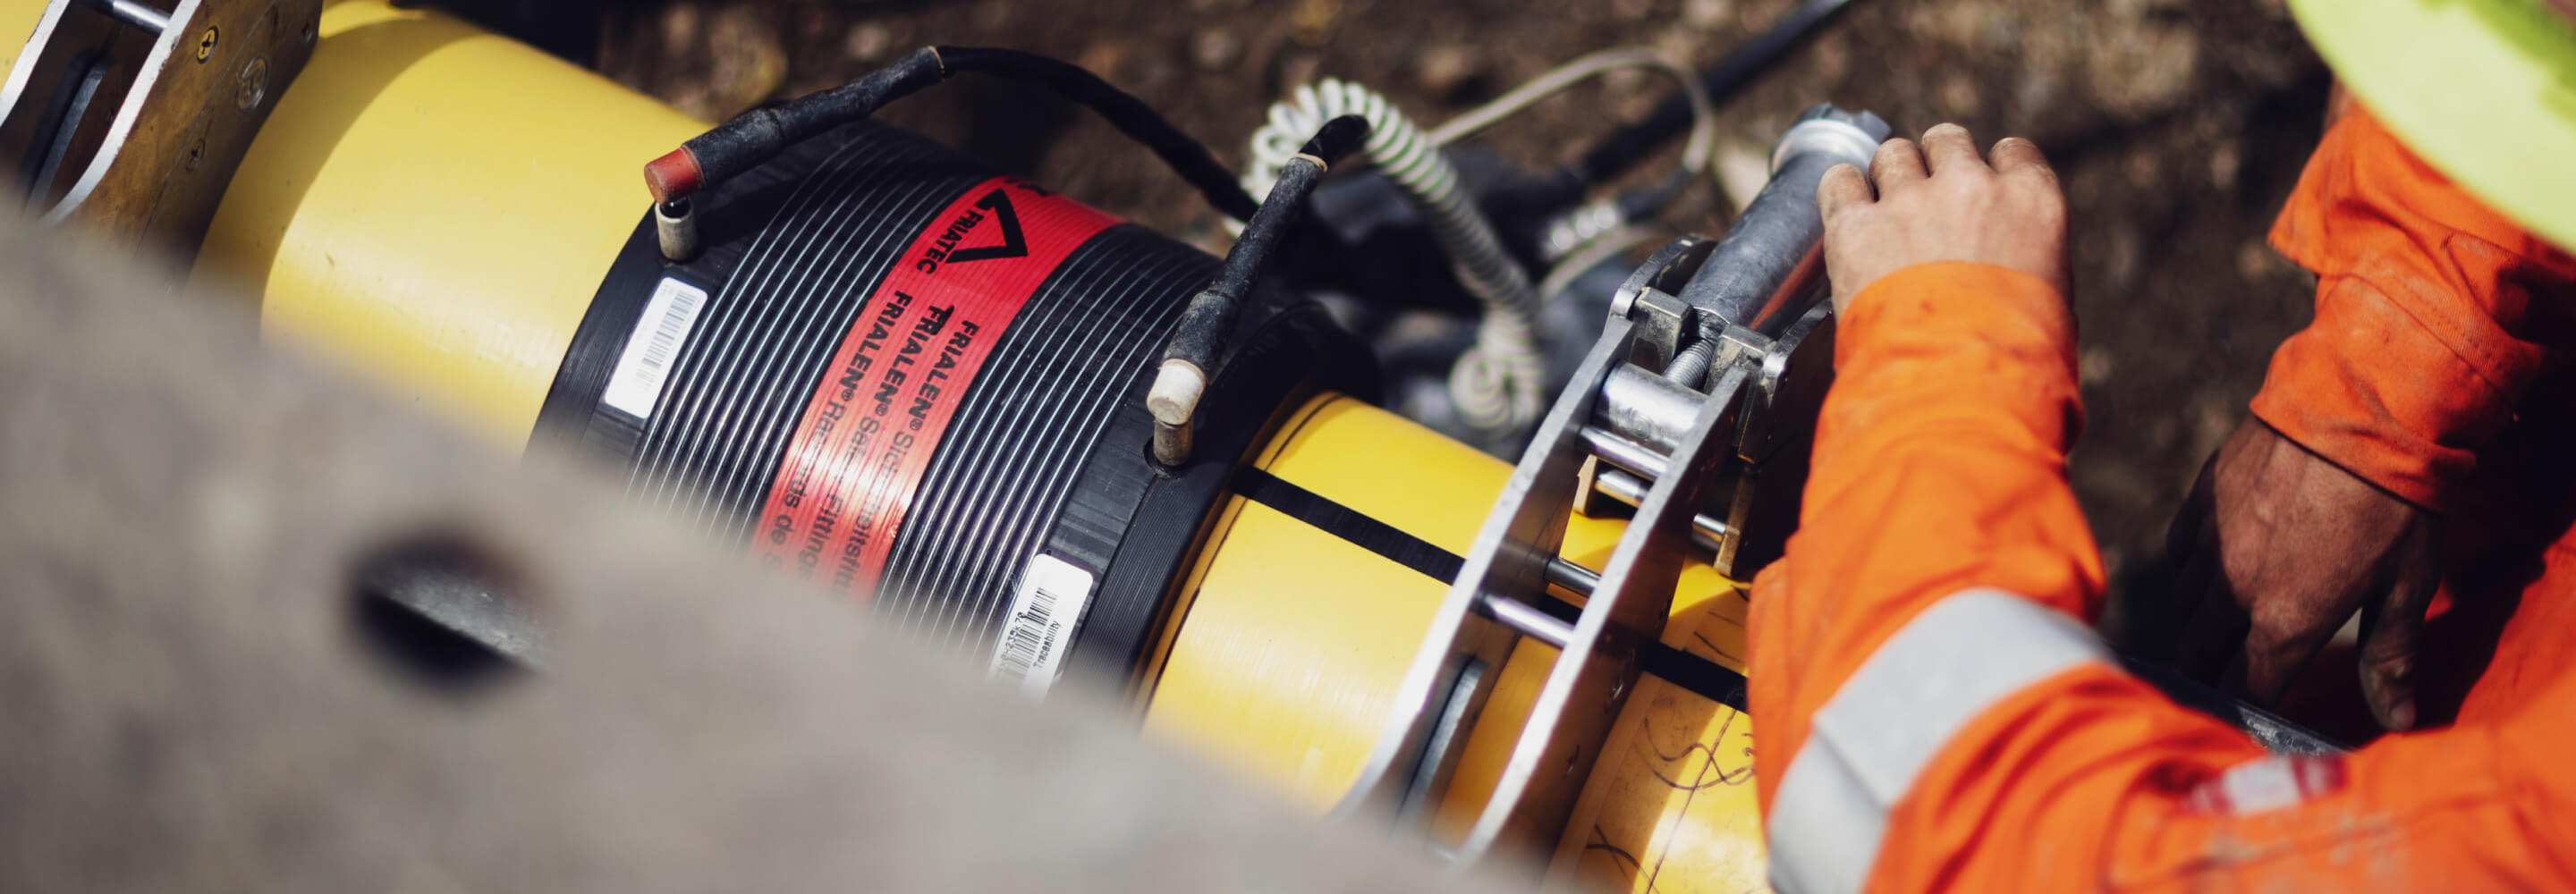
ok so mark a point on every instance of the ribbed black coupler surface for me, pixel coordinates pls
(1082, 347)
(796, 249)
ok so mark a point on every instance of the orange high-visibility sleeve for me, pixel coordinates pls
(1934, 717)
(2093, 780)
(1939, 460)
(2433, 315)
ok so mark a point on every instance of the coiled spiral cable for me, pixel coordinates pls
(1499, 383)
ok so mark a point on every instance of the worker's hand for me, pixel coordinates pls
(2277, 547)
(1942, 202)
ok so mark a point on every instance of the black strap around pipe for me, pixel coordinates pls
(1708, 679)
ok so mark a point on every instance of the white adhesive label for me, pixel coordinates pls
(1039, 628)
(659, 333)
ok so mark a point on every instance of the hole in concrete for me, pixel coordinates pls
(443, 613)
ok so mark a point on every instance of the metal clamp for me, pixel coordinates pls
(1630, 427)
(132, 120)
(1509, 570)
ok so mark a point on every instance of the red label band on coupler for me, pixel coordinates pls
(868, 433)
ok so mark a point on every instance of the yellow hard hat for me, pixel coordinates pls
(2484, 90)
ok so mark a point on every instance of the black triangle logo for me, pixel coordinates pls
(1013, 244)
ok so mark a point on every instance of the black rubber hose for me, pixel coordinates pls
(759, 135)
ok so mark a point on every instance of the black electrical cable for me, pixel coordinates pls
(759, 135)
(1618, 152)
(756, 136)
(1186, 156)
(1211, 313)
(1190, 356)
(1624, 148)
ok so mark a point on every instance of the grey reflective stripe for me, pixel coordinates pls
(1863, 750)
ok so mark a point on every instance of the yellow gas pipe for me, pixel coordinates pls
(437, 206)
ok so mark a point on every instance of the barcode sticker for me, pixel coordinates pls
(1037, 632)
(658, 335)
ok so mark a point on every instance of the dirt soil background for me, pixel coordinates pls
(2177, 126)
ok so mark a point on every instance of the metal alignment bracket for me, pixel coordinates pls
(131, 117)
(1706, 378)
(1663, 465)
